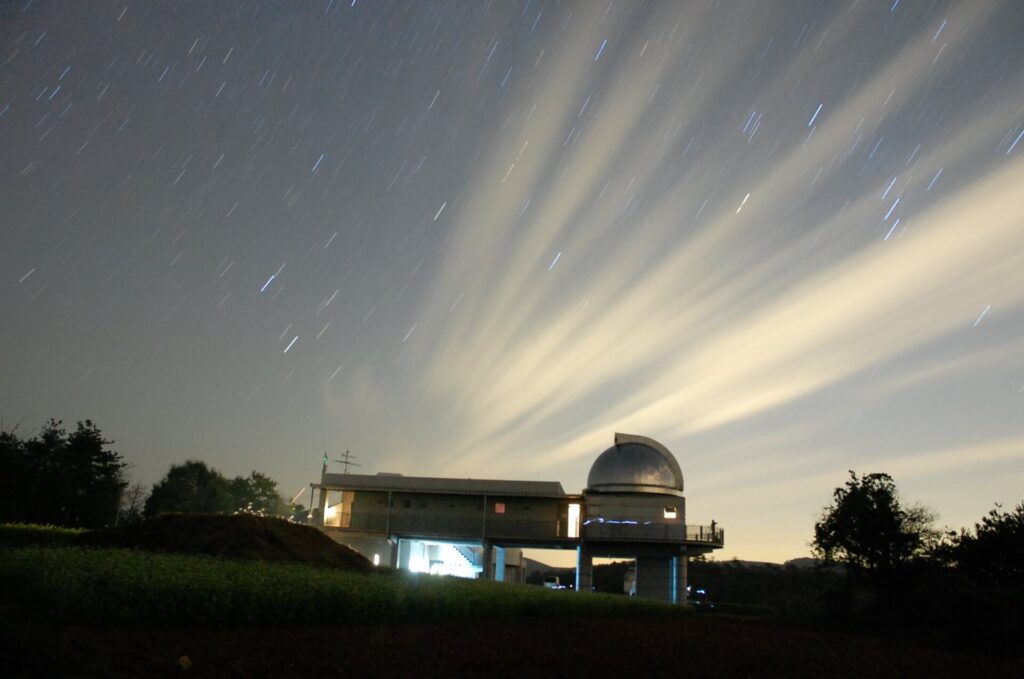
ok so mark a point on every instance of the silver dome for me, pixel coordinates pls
(636, 464)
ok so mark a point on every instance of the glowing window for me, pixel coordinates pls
(499, 507)
(670, 512)
(376, 559)
(574, 520)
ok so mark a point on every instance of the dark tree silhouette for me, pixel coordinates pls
(190, 488)
(994, 552)
(195, 488)
(132, 503)
(867, 530)
(15, 475)
(257, 493)
(59, 478)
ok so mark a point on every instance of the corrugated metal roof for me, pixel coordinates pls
(427, 484)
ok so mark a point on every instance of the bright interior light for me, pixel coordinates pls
(440, 559)
(574, 520)
(670, 512)
(376, 559)
(418, 564)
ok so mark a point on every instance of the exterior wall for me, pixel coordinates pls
(630, 517)
(369, 510)
(524, 518)
(452, 516)
(448, 515)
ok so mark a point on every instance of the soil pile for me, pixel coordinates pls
(236, 536)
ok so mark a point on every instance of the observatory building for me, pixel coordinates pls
(633, 507)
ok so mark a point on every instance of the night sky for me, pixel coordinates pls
(786, 239)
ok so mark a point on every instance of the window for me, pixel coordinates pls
(670, 512)
(407, 504)
(499, 507)
(574, 520)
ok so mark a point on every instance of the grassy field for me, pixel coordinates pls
(71, 610)
(111, 587)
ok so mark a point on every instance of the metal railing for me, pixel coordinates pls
(613, 529)
(456, 526)
(606, 529)
(712, 534)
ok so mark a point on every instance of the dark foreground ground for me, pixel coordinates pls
(693, 647)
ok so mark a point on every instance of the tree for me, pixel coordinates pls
(195, 488)
(94, 478)
(191, 488)
(60, 478)
(14, 475)
(133, 500)
(257, 494)
(867, 530)
(994, 552)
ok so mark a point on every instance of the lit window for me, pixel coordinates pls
(376, 559)
(574, 520)
(499, 507)
(670, 512)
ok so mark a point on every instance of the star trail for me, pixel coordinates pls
(786, 239)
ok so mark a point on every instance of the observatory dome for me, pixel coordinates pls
(635, 464)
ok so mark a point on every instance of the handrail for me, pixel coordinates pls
(711, 534)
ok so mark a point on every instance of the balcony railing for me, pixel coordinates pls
(461, 526)
(607, 529)
(713, 535)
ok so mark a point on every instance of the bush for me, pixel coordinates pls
(26, 534)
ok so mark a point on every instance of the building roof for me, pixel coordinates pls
(427, 484)
(636, 464)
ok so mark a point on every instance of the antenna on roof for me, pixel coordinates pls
(346, 460)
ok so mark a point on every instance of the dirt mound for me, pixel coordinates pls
(237, 536)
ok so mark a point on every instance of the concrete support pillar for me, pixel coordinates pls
(404, 552)
(673, 583)
(499, 564)
(322, 505)
(682, 576)
(677, 582)
(584, 569)
(654, 577)
(486, 559)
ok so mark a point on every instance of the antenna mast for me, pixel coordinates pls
(346, 460)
